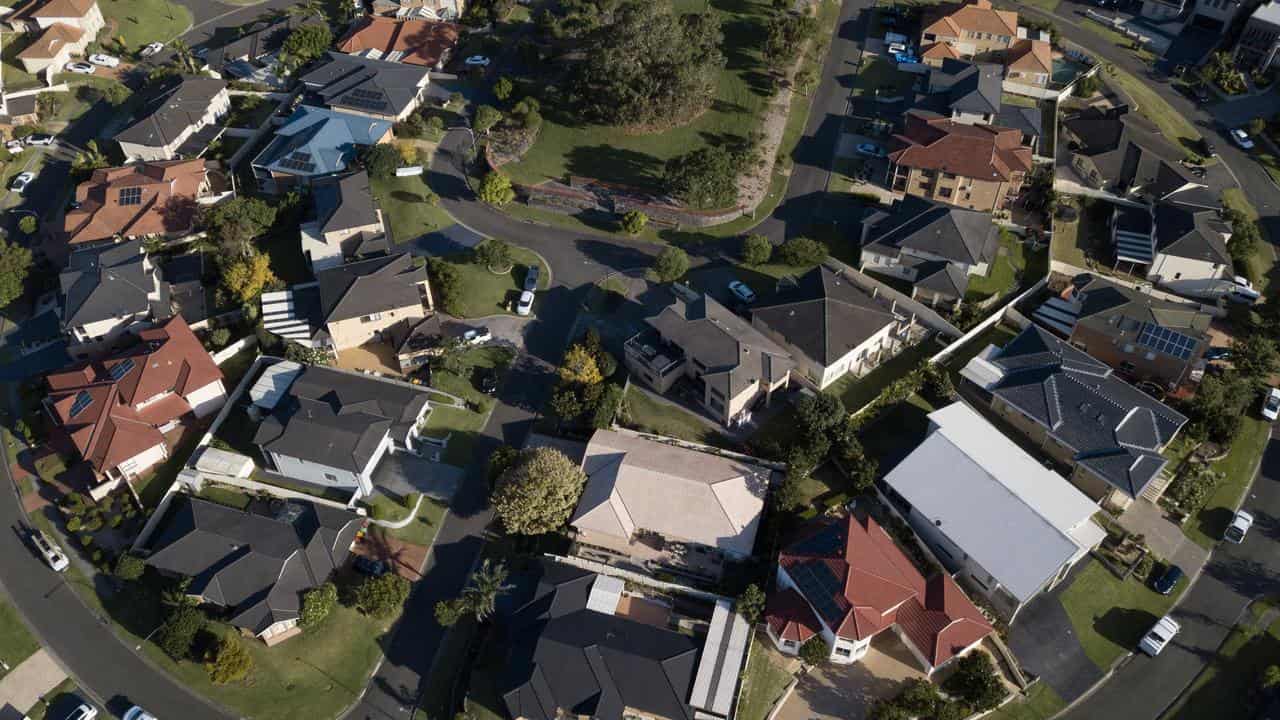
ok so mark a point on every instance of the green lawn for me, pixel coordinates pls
(1084, 238)
(145, 21)
(1110, 616)
(1016, 260)
(882, 77)
(1230, 680)
(460, 384)
(1118, 39)
(152, 485)
(461, 426)
(1237, 467)
(1261, 268)
(404, 207)
(16, 642)
(423, 529)
(1150, 105)
(856, 392)
(1020, 100)
(763, 682)
(1041, 703)
(15, 78)
(488, 293)
(648, 415)
(225, 495)
(567, 146)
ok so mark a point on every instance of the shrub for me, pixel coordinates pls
(496, 189)
(220, 338)
(816, 651)
(29, 224)
(92, 523)
(802, 252)
(751, 603)
(633, 223)
(73, 524)
(382, 596)
(538, 492)
(756, 249)
(179, 631)
(670, 265)
(919, 698)
(888, 710)
(229, 661)
(129, 567)
(86, 541)
(449, 612)
(116, 520)
(317, 603)
(610, 399)
(975, 682)
(1145, 565)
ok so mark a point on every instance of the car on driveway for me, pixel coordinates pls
(137, 713)
(1239, 527)
(871, 150)
(1167, 580)
(40, 139)
(531, 277)
(1217, 353)
(108, 61)
(476, 336)
(83, 711)
(49, 550)
(81, 68)
(525, 305)
(477, 61)
(368, 566)
(152, 49)
(742, 292)
(1159, 636)
(1241, 138)
(1271, 404)
(20, 181)
(14, 146)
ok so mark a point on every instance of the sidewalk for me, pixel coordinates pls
(23, 687)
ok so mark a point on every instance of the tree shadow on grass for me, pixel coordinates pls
(615, 164)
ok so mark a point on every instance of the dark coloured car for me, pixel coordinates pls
(369, 566)
(1165, 581)
(531, 278)
(487, 380)
(1207, 148)
(1217, 353)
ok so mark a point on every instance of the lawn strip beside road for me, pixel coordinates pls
(1153, 107)
(1237, 468)
(484, 292)
(1110, 615)
(16, 642)
(1040, 703)
(1230, 680)
(1262, 265)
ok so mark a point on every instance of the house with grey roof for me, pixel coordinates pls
(831, 326)
(972, 93)
(935, 247)
(180, 123)
(107, 291)
(1189, 249)
(253, 566)
(1081, 413)
(1123, 154)
(1138, 334)
(1001, 523)
(1259, 44)
(331, 428)
(365, 86)
(346, 224)
(728, 363)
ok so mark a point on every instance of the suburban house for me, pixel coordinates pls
(62, 28)
(1216, 16)
(831, 327)
(730, 363)
(578, 644)
(19, 110)
(258, 46)
(413, 42)
(1182, 240)
(141, 200)
(933, 246)
(1123, 153)
(420, 9)
(313, 143)
(1029, 62)
(347, 225)
(1259, 44)
(845, 580)
(966, 479)
(331, 428)
(980, 167)
(660, 507)
(107, 291)
(114, 413)
(973, 29)
(1162, 11)
(181, 122)
(1142, 336)
(1081, 414)
(972, 93)
(253, 567)
(364, 86)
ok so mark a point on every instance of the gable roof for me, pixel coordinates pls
(823, 315)
(1114, 429)
(111, 282)
(1024, 119)
(723, 342)
(344, 202)
(318, 141)
(260, 39)
(637, 484)
(369, 286)
(98, 405)
(179, 109)
(1027, 55)
(1114, 309)
(257, 566)
(914, 223)
(859, 582)
(982, 152)
(348, 82)
(934, 51)
(968, 478)
(415, 42)
(974, 16)
(51, 41)
(565, 657)
(1192, 233)
(339, 419)
(147, 198)
(969, 87)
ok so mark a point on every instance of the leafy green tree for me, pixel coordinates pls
(705, 178)
(756, 249)
(1245, 239)
(500, 460)
(317, 603)
(90, 159)
(236, 222)
(494, 254)
(179, 631)
(128, 567)
(446, 284)
(49, 104)
(1255, 356)
(785, 33)
(382, 596)
(305, 44)
(751, 604)
(820, 413)
(29, 224)
(975, 682)
(229, 661)
(15, 264)
(299, 353)
(816, 651)
(633, 222)
(449, 612)
(487, 116)
(456, 99)
(920, 698)
(503, 88)
(566, 404)
(1271, 677)
(219, 337)
(538, 493)
(380, 161)
(670, 265)
(496, 189)
(888, 710)
(802, 252)
(579, 367)
(487, 583)
(1218, 406)
(246, 277)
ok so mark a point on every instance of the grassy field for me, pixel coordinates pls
(1237, 467)
(16, 642)
(1110, 616)
(145, 21)
(1118, 39)
(648, 415)
(1151, 106)
(1041, 703)
(486, 293)
(405, 212)
(422, 531)
(882, 77)
(856, 392)
(567, 146)
(1230, 680)
(1261, 268)
(762, 683)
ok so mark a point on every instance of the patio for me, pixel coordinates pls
(1163, 536)
(847, 692)
(378, 357)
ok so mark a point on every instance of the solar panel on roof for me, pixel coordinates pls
(819, 586)
(119, 370)
(1164, 340)
(83, 400)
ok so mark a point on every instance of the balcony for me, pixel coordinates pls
(651, 352)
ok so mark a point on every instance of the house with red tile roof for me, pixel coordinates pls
(114, 413)
(845, 580)
(61, 28)
(1029, 62)
(973, 29)
(415, 42)
(139, 200)
(980, 167)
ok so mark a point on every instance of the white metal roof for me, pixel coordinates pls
(606, 592)
(981, 371)
(222, 462)
(273, 383)
(721, 661)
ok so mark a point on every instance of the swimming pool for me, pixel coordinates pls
(1065, 69)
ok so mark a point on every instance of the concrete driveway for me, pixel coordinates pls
(402, 473)
(847, 692)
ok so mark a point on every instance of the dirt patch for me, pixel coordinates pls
(405, 558)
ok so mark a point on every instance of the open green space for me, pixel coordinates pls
(421, 531)
(1040, 703)
(567, 146)
(1110, 615)
(484, 292)
(1230, 681)
(646, 414)
(763, 682)
(855, 392)
(1206, 527)
(145, 21)
(461, 426)
(16, 641)
(405, 209)
(1153, 107)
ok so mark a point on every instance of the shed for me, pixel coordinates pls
(274, 383)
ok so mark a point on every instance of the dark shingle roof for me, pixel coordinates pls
(344, 202)
(824, 315)
(1191, 233)
(941, 277)
(254, 565)
(369, 286)
(565, 657)
(1104, 305)
(338, 418)
(110, 282)
(171, 114)
(965, 236)
(970, 87)
(348, 82)
(1026, 119)
(1113, 428)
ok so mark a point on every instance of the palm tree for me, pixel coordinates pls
(307, 8)
(487, 584)
(183, 57)
(90, 159)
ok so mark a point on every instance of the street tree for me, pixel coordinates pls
(15, 264)
(670, 265)
(756, 249)
(486, 117)
(539, 492)
(634, 222)
(496, 189)
(494, 254)
(802, 252)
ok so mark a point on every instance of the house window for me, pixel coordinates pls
(844, 651)
(371, 318)
(944, 192)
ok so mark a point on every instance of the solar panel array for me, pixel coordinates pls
(1166, 341)
(83, 400)
(298, 160)
(121, 369)
(820, 587)
(131, 196)
(365, 99)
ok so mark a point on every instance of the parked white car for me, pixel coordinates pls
(108, 61)
(475, 336)
(49, 550)
(1159, 636)
(477, 61)
(81, 68)
(525, 306)
(1239, 527)
(1241, 138)
(1271, 405)
(152, 49)
(14, 146)
(40, 139)
(20, 181)
(83, 711)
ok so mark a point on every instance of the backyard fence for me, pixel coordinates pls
(603, 569)
(989, 322)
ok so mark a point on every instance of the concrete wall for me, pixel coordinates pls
(137, 464)
(208, 399)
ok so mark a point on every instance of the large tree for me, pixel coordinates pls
(538, 493)
(238, 221)
(304, 45)
(15, 263)
(649, 67)
(247, 275)
(670, 265)
(705, 178)
(487, 583)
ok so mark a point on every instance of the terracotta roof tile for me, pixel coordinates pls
(976, 16)
(165, 201)
(939, 50)
(790, 617)
(422, 42)
(50, 42)
(1030, 56)
(981, 152)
